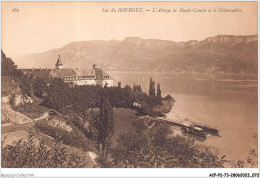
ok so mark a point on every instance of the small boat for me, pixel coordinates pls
(207, 128)
(194, 131)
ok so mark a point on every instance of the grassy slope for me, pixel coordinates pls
(123, 122)
(32, 110)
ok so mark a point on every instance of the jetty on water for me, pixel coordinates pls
(198, 129)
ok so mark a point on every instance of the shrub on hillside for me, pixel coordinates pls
(86, 124)
(30, 155)
(32, 110)
(74, 138)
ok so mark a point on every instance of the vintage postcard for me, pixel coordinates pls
(129, 85)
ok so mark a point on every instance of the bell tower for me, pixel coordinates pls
(59, 65)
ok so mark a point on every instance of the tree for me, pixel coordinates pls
(26, 85)
(40, 86)
(59, 95)
(159, 91)
(134, 88)
(151, 88)
(105, 124)
(137, 88)
(8, 66)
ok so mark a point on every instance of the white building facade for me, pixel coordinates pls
(96, 76)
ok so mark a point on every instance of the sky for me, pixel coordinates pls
(41, 26)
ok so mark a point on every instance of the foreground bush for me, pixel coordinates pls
(30, 155)
(150, 147)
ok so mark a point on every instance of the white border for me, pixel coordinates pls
(130, 172)
(126, 172)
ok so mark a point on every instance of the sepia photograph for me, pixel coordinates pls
(129, 85)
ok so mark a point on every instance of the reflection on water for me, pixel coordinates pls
(226, 101)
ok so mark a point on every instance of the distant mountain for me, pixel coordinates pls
(222, 53)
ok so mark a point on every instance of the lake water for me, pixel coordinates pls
(226, 101)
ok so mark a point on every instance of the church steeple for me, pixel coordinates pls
(59, 65)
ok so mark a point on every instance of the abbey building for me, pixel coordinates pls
(95, 76)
